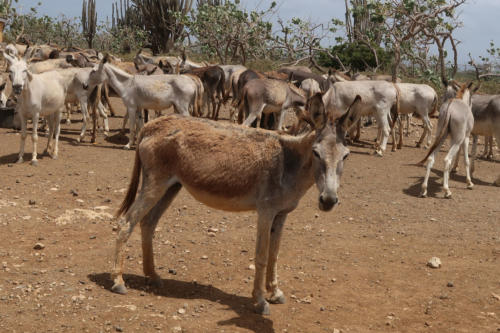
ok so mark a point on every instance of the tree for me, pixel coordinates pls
(228, 32)
(413, 22)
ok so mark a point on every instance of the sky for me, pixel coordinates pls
(479, 17)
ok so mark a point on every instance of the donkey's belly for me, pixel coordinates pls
(218, 201)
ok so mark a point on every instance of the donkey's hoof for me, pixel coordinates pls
(262, 308)
(418, 145)
(423, 194)
(20, 160)
(119, 289)
(80, 139)
(470, 186)
(277, 298)
(34, 162)
(447, 195)
(378, 153)
(126, 147)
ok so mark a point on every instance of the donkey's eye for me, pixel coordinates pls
(316, 154)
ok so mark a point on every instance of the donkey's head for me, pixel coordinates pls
(461, 91)
(98, 75)
(18, 72)
(329, 149)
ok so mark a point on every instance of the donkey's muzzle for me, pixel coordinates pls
(17, 89)
(326, 203)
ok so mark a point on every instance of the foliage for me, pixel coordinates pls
(357, 56)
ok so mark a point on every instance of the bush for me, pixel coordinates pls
(356, 56)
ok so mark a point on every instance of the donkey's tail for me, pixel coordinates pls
(134, 184)
(442, 132)
(434, 106)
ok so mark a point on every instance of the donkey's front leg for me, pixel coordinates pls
(264, 223)
(34, 139)
(24, 125)
(131, 121)
(277, 296)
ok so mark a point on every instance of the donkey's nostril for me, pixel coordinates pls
(327, 202)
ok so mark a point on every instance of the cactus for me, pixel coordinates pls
(159, 20)
(89, 21)
(125, 15)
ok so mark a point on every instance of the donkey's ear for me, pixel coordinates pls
(317, 110)
(348, 118)
(8, 57)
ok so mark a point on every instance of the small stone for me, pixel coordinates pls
(204, 257)
(118, 329)
(214, 230)
(75, 193)
(251, 267)
(93, 237)
(434, 262)
(17, 181)
(450, 284)
(336, 330)
(32, 202)
(334, 280)
(80, 201)
(172, 271)
(39, 246)
(316, 215)
(495, 296)
(181, 311)
(433, 219)
(176, 329)
(10, 165)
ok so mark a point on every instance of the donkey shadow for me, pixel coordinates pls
(434, 187)
(243, 307)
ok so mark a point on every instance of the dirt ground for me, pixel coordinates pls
(359, 268)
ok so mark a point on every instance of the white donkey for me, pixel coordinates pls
(153, 92)
(456, 119)
(379, 98)
(38, 95)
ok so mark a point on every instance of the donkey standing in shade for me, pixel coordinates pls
(233, 168)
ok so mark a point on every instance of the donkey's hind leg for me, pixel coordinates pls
(448, 160)
(149, 195)
(468, 168)
(148, 226)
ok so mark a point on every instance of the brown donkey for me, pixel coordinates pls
(233, 168)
